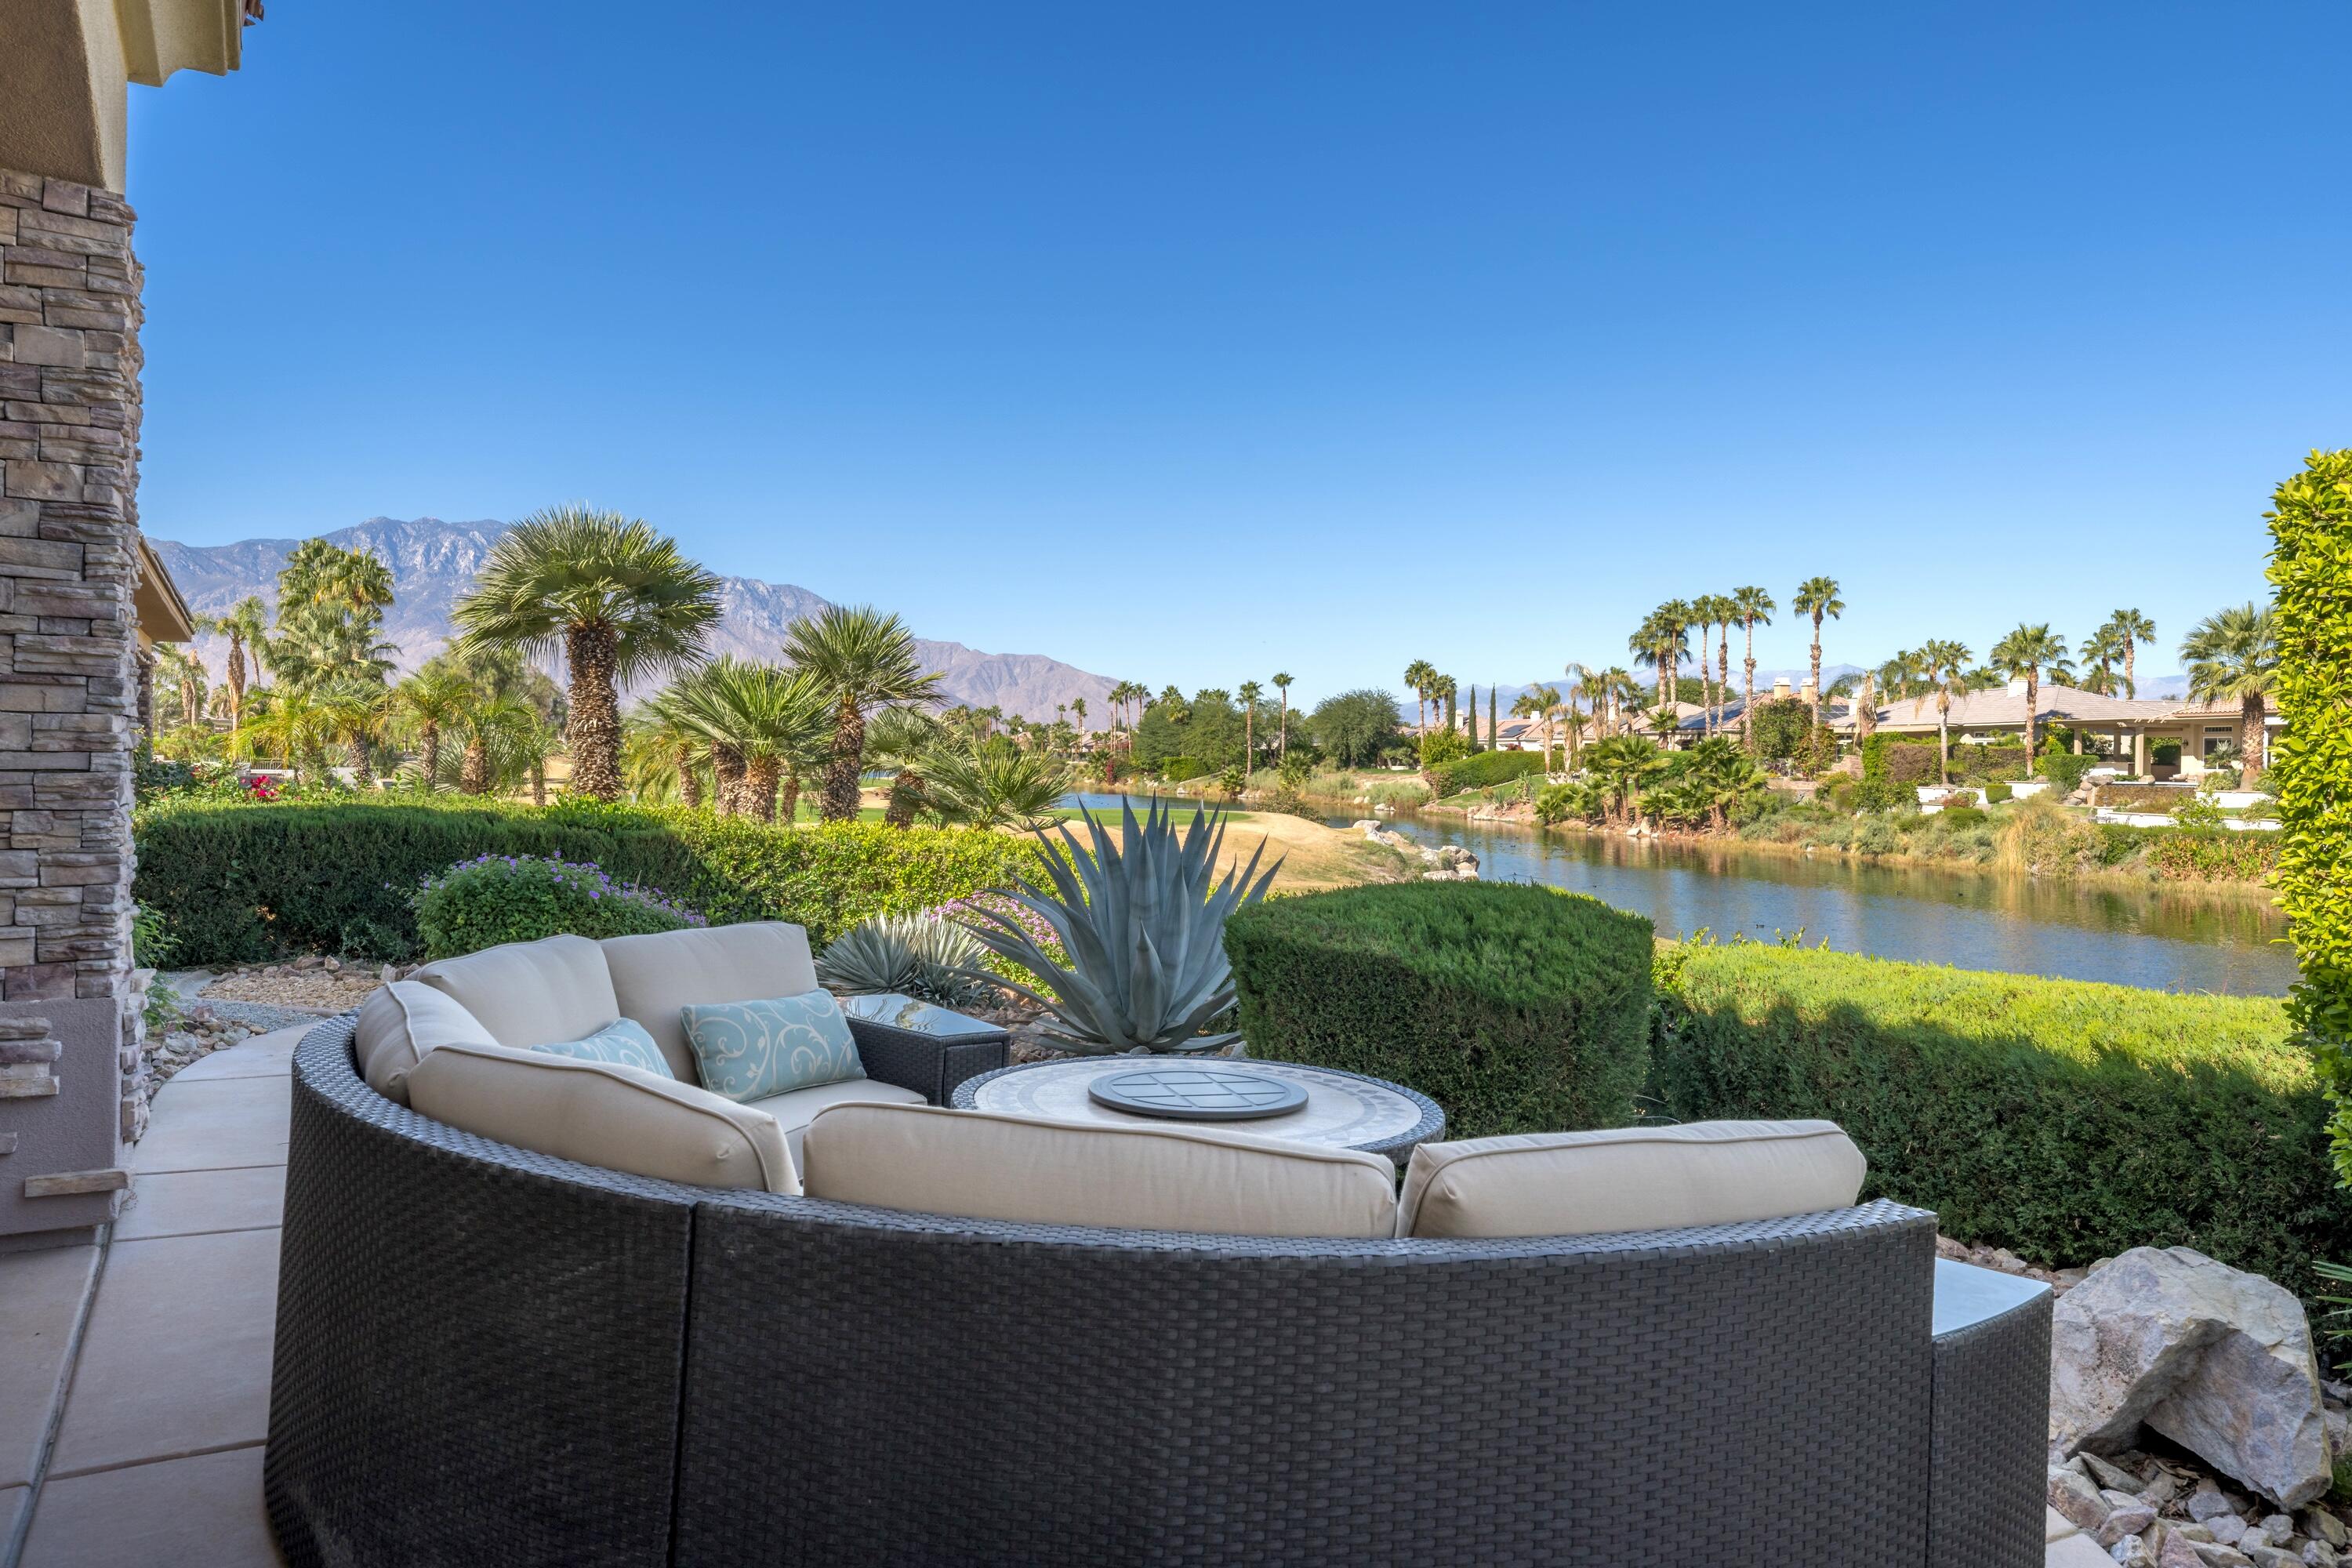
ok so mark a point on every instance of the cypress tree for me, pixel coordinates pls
(1494, 735)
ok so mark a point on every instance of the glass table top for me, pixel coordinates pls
(905, 1013)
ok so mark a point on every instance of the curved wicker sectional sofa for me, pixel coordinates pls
(488, 1355)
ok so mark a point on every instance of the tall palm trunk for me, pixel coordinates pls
(474, 771)
(596, 722)
(361, 774)
(2032, 706)
(1944, 738)
(840, 796)
(539, 781)
(727, 779)
(906, 795)
(1249, 740)
(1282, 736)
(760, 777)
(1817, 675)
(690, 783)
(789, 807)
(1722, 678)
(428, 752)
(2131, 646)
(1748, 694)
(2253, 742)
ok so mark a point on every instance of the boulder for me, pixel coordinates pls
(2216, 1359)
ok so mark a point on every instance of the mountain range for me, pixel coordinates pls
(434, 562)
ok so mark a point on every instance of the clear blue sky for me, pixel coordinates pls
(1192, 343)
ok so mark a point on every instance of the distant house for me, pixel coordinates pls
(2120, 727)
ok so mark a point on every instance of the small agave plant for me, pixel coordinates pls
(922, 956)
(1144, 928)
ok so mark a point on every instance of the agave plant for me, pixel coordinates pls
(1144, 928)
(923, 956)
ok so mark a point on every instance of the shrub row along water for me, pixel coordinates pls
(2066, 1121)
(240, 883)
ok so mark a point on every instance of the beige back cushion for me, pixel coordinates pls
(981, 1165)
(656, 976)
(1628, 1178)
(530, 993)
(398, 1024)
(624, 1119)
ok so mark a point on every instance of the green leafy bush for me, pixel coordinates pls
(242, 882)
(1176, 770)
(2064, 770)
(1517, 1008)
(1884, 795)
(1962, 816)
(2063, 1119)
(2209, 857)
(1876, 836)
(2311, 767)
(2197, 814)
(1997, 792)
(1481, 769)
(2166, 754)
(521, 897)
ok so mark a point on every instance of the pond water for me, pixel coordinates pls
(2166, 939)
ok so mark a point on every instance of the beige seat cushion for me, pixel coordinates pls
(1628, 1178)
(795, 1109)
(398, 1024)
(624, 1119)
(530, 993)
(656, 976)
(982, 1165)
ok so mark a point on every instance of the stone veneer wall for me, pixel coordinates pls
(70, 361)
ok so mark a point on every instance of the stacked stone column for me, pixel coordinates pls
(68, 524)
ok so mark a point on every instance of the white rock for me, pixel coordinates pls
(2207, 1502)
(2218, 1360)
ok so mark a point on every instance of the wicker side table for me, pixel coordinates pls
(920, 1046)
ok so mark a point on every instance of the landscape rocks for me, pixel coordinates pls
(312, 983)
(2002, 1260)
(2215, 1358)
(1444, 863)
(2168, 1515)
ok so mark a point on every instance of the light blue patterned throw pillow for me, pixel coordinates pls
(621, 1042)
(750, 1050)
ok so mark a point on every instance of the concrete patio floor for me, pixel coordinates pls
(134, 1377)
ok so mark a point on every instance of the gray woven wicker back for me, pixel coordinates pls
(485, 1355)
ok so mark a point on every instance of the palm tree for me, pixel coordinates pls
(2026, 651)
(1423, 676)
(2102, 650)
(1944, 663)
(1282, 679)
(424, 704)
(661, 754)
(1443, 690)
(1540, 702)
(2130, 629)
(1078, 707)
(995, 786)
(1660, 642)
(1754, 609)
(903, 738)
(776, 721)
(617, 596)
(1252, 694)
(487, 725)
(246, 624)
(2234, 653)
(1817, 597)
(180, 667)
(354, 712)
(292, 726)
(1574, 724)
(861, 657)
(1718, 610)
(1622, 764)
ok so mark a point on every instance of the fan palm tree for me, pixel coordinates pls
(354, 712)
(2102, 650)
(1720, 611)
(995, 785)
(2234, 654)
(2130, 629)
(861, 657)
(661, 757)
(246, 624)
(1251, 694)
(179, 670)
(1945, 664)
(1753, 607)
(486, 727)
(2027, 651)
(1621, 764)
(1442, 693)
(1817, 597)
(620, 600)
(775, 721)
(1574, 723)
(1282, 679)
(1660, 642)
(291, 726)
(902, 739)
(1423, 677)
(425, 704)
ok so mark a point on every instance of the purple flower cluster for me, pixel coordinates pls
(577, 875)
(965, 912)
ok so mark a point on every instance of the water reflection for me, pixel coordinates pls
(2164, 938)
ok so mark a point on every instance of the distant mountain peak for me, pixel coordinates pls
(434, 563)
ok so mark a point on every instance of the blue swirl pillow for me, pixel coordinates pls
(621, 1042)
(750, 1050)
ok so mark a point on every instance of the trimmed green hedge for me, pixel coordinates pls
(238, 883)
(1517, 1008)
(2063, 1119)
(1481, 769)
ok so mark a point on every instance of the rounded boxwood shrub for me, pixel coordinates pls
(1516, 1007)
(522, 897)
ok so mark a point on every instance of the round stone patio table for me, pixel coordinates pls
(1343, 1110)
